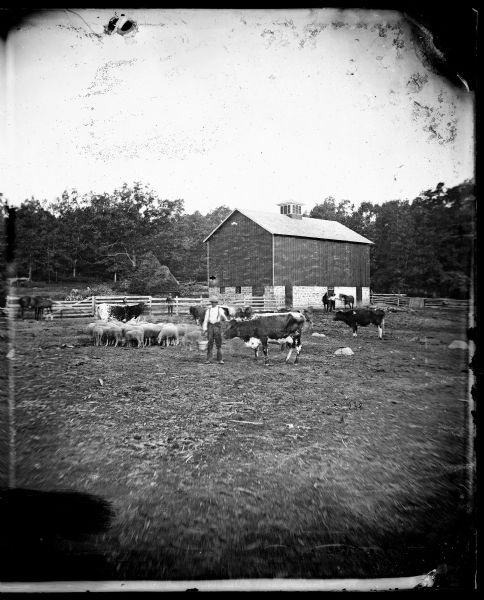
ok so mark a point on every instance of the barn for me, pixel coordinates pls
(287, 258)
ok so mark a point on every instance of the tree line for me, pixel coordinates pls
(421, 247)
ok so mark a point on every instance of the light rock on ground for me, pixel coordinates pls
(344, 351)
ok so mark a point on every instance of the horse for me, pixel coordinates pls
(326, 302)
(25, 303)
(348, 300)
(40, 304)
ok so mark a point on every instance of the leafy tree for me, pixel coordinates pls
(36, 240)
(329, 210)
(74, 232)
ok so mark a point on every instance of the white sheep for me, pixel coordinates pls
(114, 334)
(168, 335)
(151, 332)
(135, 334)
(98, 333)
(192, 336)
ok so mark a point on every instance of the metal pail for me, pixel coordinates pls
(202, 344)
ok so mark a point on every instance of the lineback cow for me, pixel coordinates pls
(363, 317)
(275, 326)
(120, 312)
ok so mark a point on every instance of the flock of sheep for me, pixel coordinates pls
(137, 333)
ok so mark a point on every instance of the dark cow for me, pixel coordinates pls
(198, 313)
(25, 303)
(348, 300)
(40, 304)
(243, 313)
(276, 326)
(363, 317)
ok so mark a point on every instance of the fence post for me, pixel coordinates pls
(150, 304)
(176, 303)
(93, 302)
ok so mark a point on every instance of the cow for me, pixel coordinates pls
(347, 300)
(25, 303)
(230, 311)
(275, 326)
(120, 312)
(243, 313)
(198, 313)
(363, 317)
(40, 304)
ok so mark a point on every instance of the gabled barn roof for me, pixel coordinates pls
(305, 227)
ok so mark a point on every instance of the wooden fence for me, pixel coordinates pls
(401, 300)
(157, 307)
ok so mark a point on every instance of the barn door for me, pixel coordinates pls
(288, 295)
(359, 295)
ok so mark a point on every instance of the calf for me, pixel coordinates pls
(363, 317)
(258, 330)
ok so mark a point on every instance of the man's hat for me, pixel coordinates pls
(213, 299)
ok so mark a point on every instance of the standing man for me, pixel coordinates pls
(169, 300)
(212, 324)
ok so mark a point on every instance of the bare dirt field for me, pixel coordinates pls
(341, 466)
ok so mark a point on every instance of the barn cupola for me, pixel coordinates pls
(291, 209)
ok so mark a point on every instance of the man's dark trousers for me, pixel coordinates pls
(214, 331)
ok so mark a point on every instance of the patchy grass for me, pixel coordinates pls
(341, 466)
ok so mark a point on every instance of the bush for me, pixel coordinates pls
(101, 289)
(188, 289)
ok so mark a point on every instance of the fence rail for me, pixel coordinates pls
(412, 302)
(158, 307)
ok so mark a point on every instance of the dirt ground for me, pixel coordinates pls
(341, 466)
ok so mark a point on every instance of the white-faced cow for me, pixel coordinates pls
(275, 326)
(363, 317)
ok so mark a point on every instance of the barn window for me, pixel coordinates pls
(238, 289)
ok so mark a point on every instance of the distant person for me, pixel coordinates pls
(169, 300)
(332, 303)
(212, 324)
